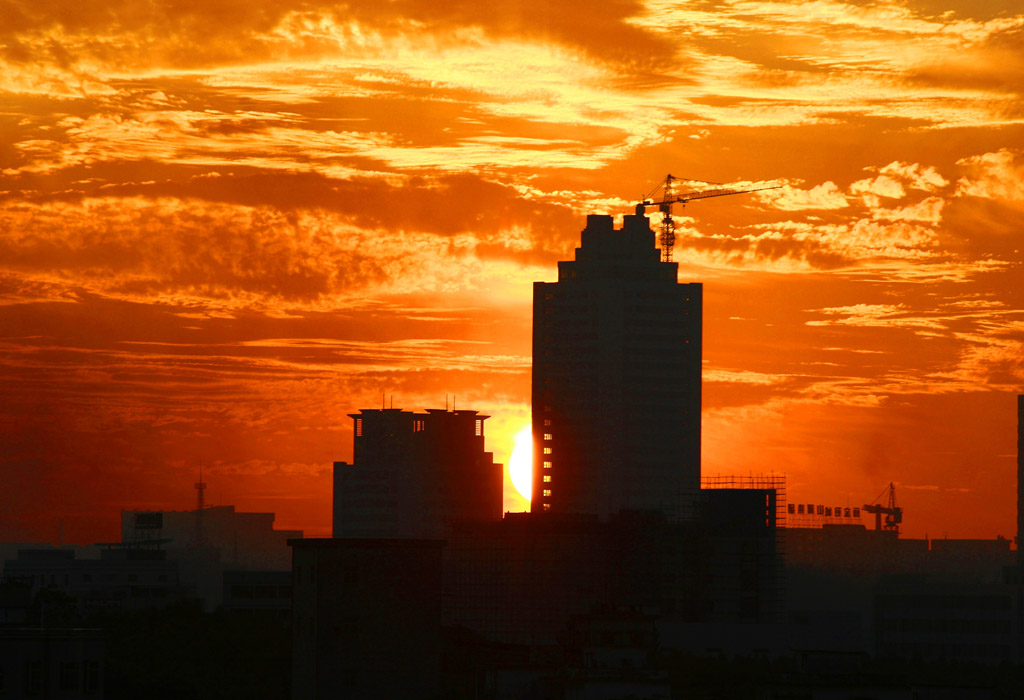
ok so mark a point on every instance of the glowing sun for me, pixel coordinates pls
(520, 464)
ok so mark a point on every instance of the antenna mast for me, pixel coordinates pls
(200, 488)
(200, 534)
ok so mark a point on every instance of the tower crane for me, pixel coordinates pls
(893, 513)
(667, 235)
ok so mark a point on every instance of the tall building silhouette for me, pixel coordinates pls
(616, 377)
(1020, 478)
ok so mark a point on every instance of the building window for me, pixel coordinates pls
(547, 436)
(33, 677)
(547, 478)
(547, 493)
(547, 506)
(68, 676)
(547, 465)
(359, 427)
(418, 426)
(547, 450)
(479, 427)
(547, 422)
(91, 677)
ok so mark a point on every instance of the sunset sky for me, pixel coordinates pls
(225, 225)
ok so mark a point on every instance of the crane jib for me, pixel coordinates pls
(668, 198)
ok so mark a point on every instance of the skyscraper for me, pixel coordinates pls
(616, 377)
(1020, 479)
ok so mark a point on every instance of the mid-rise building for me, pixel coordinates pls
(616, 377)
(206, 542)
(414, 474)
(236, 539)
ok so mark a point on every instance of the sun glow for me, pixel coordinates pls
(520, 464)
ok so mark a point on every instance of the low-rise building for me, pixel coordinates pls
(366, 618)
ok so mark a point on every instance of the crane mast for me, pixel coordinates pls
(893, 513)
(667, 228)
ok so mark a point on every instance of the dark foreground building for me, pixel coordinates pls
(366, 618)
(48, 662)
(522, 579)
(616, 377)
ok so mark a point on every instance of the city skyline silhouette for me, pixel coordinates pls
(632, 566)
(282, 282)
(220, 238)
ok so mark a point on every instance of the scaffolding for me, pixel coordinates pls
(775, 482)
(776, 509)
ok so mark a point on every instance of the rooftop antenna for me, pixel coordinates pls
(200, 536)
(200, 489)
(446, 402)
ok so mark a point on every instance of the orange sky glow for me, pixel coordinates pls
(226, 225)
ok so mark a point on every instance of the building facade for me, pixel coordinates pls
(123, 578)
(56, 663)
(616, 377)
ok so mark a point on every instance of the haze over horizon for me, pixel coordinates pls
(225, 226)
